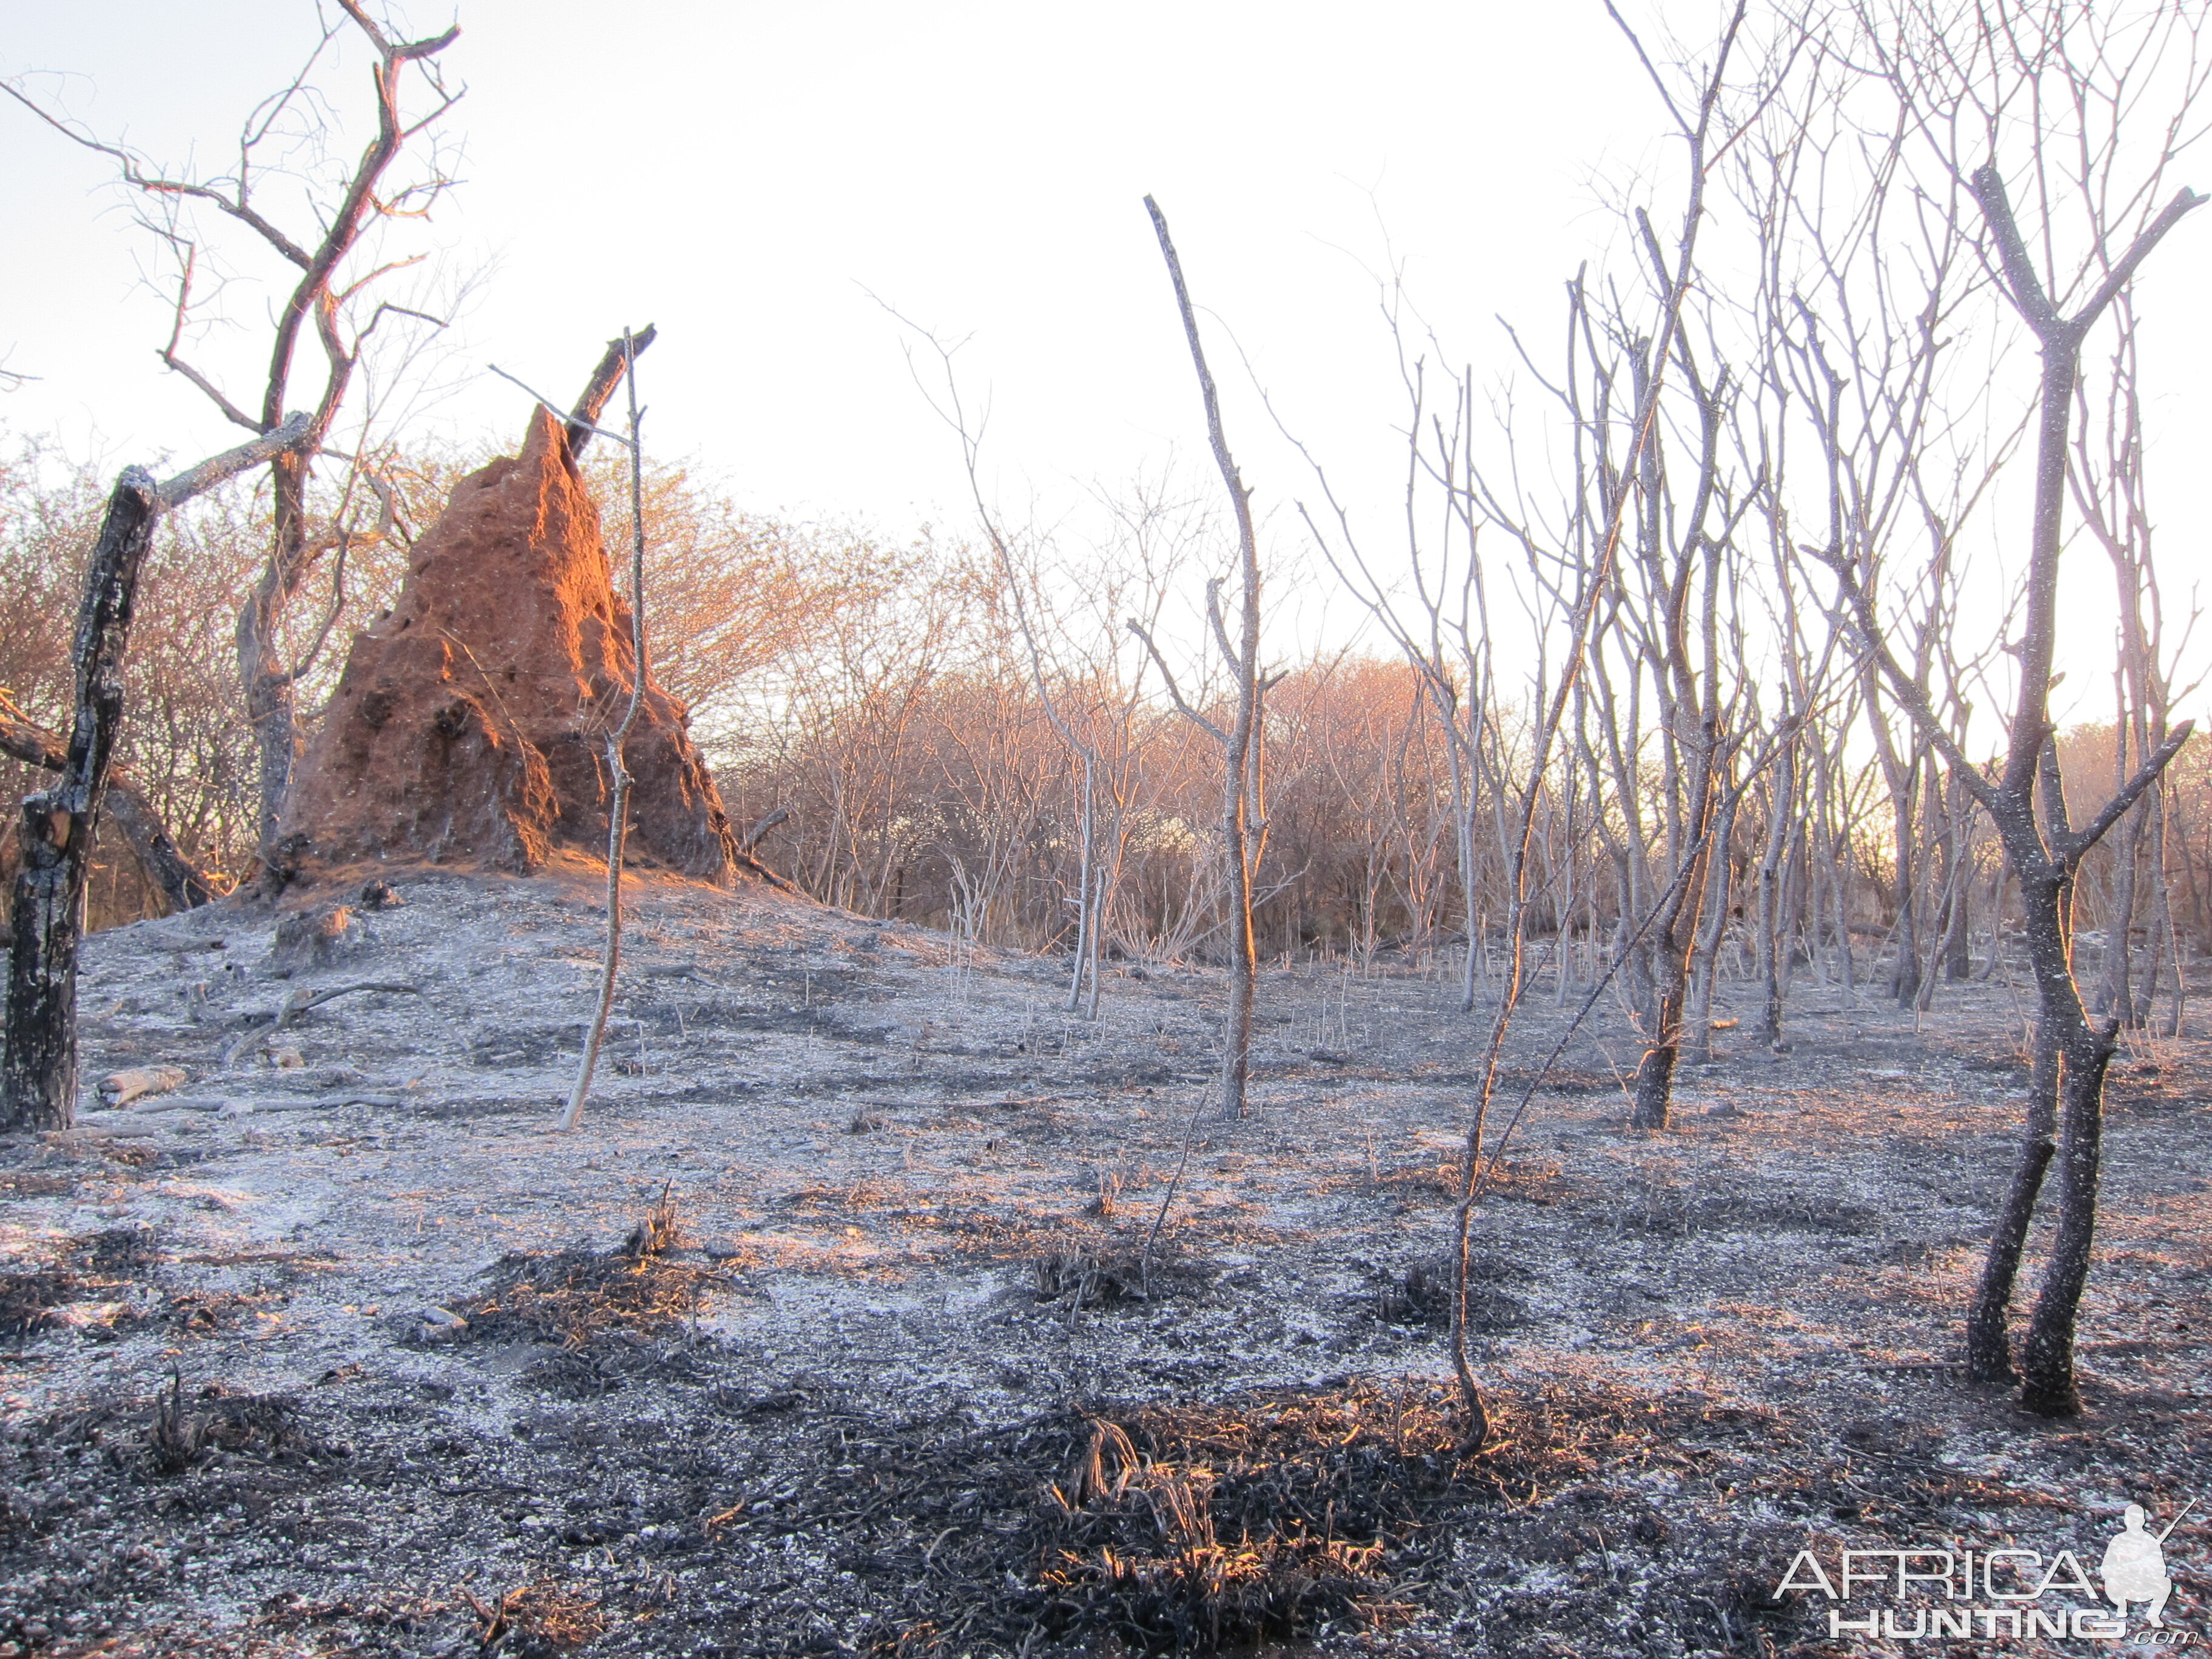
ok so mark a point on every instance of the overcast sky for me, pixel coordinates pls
(747, 175)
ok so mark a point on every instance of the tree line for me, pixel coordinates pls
(882, 697)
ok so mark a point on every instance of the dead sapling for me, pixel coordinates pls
(618, 774)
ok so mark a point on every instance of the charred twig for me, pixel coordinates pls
(583, 419)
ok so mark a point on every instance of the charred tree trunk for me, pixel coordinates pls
(2043, 850)
(1705, 962)
(1085, 910)
(1958, 909)
(1673, 932)
(1904, 970)
(38, 1076)
(1988, 1340)
(268, 682)
(2116, 992)
(1772, 946)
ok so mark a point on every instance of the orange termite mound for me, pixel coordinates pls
(470, 726)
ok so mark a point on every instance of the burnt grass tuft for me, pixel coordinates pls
(1202, 1527)
(182, 1435)
(30, 1298)
(1423, 1296)
(1109, 1273)
(609, 1314)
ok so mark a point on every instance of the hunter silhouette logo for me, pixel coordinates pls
(2135, 1566)
(1998, 1591)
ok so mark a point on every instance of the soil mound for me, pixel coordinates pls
(470, 726)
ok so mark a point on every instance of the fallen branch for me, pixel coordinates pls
(321, 1103)
(687, 970)
(751, 837)
(183, 884)
(298, 1003)
(747, 861)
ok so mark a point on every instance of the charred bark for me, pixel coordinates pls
(1988, 1340)
(600, 388)
(38, 1075)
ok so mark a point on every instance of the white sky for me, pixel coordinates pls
(739, 173)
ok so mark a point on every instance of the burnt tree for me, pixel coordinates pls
(2025, 802)
(38, 1074)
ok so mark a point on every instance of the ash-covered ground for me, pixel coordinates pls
(831, 1330)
